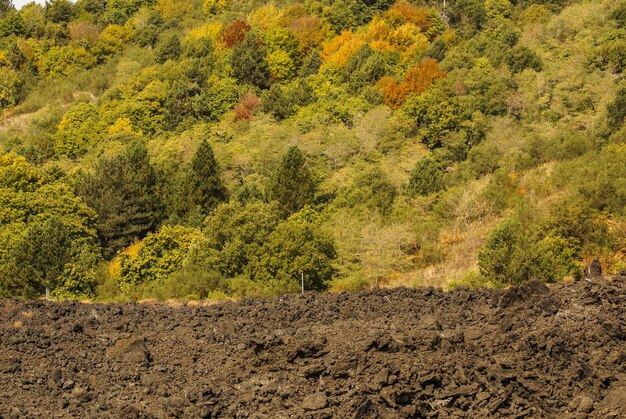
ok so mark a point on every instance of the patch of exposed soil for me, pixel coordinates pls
(524, 352)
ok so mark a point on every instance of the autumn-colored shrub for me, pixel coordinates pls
(246, 107)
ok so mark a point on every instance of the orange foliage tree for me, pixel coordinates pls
(403, 12)
(234, 33)
(415, 81)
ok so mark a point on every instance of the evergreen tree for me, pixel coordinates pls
(616, 110)
(5, 7)
(501, 259)
(249, 62)
(207, 189)
(59, 11)
(311, 64)
(426, 178)
(123, 192)
(292, 184)
(168, 49)
(197, 190)
(39, 257)
(276, 102)
(365, 67)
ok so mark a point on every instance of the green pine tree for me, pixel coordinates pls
(198, 189)
(249, 62)
(168, 49)
(311, 64)
(292, 184)
(207, 189)
(5, 7)
(123, 192)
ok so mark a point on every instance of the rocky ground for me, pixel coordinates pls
(524, 352)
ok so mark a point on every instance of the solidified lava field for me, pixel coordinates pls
(530, 351)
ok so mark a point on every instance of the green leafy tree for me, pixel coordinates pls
(220, 96)
(292, 185)
(157, 257)
(616, 110)
(373, 189)
(47, 235)
(60, 61)
(297, 246)
(521, 58)
(502, 261)
(12, 23)
(11, 87)
(234, 234)
(468, 13)
(123, 192)
(283, 54)
(77, 131)
(346, 14)
(200, 48)
(6, 6)
(426, 178)
(249, 62)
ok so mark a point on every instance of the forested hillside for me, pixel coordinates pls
(223, 148)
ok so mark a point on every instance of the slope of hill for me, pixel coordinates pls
(225, 148)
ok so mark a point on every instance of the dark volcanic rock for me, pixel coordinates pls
(529, 351)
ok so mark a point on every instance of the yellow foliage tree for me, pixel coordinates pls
(266, 16)
(281, 65)
(339, 50)
(113, 39)
(174, 10)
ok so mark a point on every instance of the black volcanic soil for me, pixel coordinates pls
(525, 352)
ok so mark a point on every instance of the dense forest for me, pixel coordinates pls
(223, 148)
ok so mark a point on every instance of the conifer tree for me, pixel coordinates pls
(207, 189)
(311, 64)
(426, 178)
(292, 184)
(168, 49)
(123, 192)
(59, 11)
(249, 62)
(198, 189)
(5, 7)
